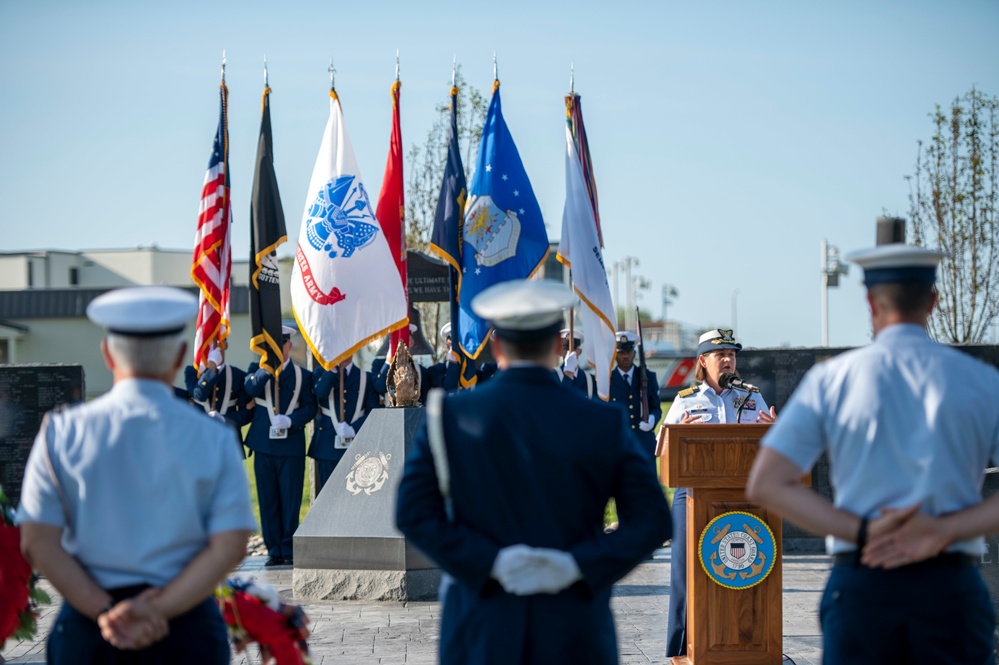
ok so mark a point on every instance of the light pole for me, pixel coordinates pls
(640, 284)
(669, 293)
(629, 292)
(831, 270)
(735, 311)
(617, 293)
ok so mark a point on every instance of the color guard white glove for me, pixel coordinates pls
(215, 356)
(511, 561)
(647, 425)
(345, 431)
(571, 363)
(550, 571)
(452, 357)
(217, 416)
(281, 421)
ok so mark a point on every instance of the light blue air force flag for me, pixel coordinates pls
(504, 235)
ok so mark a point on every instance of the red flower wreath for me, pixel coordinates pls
(18, 595)
(253, 613)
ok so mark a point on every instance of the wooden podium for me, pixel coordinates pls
(725, 626)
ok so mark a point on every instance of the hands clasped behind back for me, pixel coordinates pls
(524, 570)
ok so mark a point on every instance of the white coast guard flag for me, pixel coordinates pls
(579, 249)
(345, 288)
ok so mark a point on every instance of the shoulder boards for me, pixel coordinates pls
(687, 392)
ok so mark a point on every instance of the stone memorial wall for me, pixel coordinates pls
(778, 372)
(27, 392)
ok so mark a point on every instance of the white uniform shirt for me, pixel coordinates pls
(715, 408)
(904, 420)
(147, 479)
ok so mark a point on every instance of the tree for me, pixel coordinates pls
(426, 171)
(952, 198)
(426, 162)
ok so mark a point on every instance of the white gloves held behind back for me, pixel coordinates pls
(524, 570)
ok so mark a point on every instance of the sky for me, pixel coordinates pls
(728, 138)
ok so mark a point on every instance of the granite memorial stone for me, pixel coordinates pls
(27, 393)
(347, 547)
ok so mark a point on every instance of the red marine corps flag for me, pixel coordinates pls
(212, 255)
(391, 211)
(345, 286)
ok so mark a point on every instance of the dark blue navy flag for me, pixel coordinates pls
(445, 239)
(503, 235)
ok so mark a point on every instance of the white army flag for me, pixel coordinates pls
(345, 288)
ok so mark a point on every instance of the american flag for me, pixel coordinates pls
(212, 254)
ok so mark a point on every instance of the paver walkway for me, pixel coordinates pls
(369, 633)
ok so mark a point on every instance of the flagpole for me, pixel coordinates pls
(572, 310)
(343, 397)
(277, 371)
(225, 194)
(572, 326)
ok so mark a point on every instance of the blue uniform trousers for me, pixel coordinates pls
(280, 481)
(676, 617)
(197, 637)
(324, 469)
(926, 613)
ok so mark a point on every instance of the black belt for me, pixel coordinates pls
(942, 560)
(125, 592)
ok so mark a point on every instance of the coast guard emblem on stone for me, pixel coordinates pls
(737, 550)
(341, 209)
(492, 232)
(368, 473)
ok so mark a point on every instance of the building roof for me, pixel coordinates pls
(72, 303)
(4, 323)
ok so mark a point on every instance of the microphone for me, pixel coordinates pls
(732, 381)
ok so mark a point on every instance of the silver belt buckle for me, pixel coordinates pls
(342, 442)
(278, 433)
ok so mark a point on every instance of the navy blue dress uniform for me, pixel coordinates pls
(906, 423)
(625, 392)
(379, 380)
(139, 483)
(279, 461)
(327, 448)
(518, 494)
(445, 374)
(707, 406)
(581, 381)
(221, 391)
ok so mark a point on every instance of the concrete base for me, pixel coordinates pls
(339, 584)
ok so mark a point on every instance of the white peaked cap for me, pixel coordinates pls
(143, 311)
